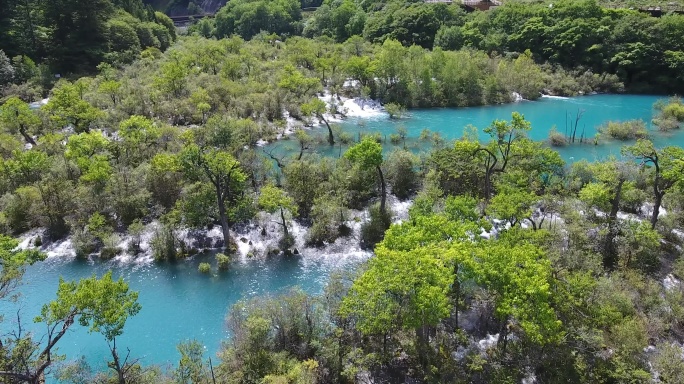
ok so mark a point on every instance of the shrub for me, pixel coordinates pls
(394, 110)
(665, 124)
(673, 110)
(286, 242)
(395, 139)
(84, 243)
(401, 174)
(625, 130)
(373, 231)
(204, 268)
(222, 261)
(632, 200)
(136, 230)
(557, 139)
(328, 216)
(109, 248)
(164, 244)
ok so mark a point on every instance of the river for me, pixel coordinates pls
(179, 303)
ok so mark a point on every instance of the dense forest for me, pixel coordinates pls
(511, 267)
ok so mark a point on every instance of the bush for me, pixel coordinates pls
(328, 216)
(222, 261)
(666, 124)
(671, 114)
(164, 244)
(394, 110)
(626, 130)
(109, 248)
(401, 174)
(204, 268)
(17, 208)
(286, 242)
(84, 243)
(673, 110)
(122, 36)
(395, 139)
(632, 200)
(135, 230)
(557, 139)
(373, 231)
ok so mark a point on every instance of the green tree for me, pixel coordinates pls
(303, 180)
(6, 69)
(13, 262)
(17, 117)
(513, 205)
(102, 305)
(90, 152)
(173, 76)
(505, 136)
(140, 136)
(78, 32)
(668, 169)
(208, 160)
(191, 369)
(272, 199)
(19, 363)
(368, 155)
(401, 173)
(610, 180)
(66, 107)
(111, 88)
(317, 107)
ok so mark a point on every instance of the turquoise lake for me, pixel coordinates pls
(180, 304)
(543, 114)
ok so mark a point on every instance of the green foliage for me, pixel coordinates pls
(394, 110)
(164, 244)
(627, 130)
(177, 144)
(13, 263)
(302, 180)
(247, 18)
(401, 173)
(66, 107)
(367, 153)
(204, 268)
(272, 199)
(6, 69)
(74, 36)
(373, 231)
(102, 305)
(191, 368)
(17, 118)
(328, 216)
(222, 261)
(512, 205)
(273, 335)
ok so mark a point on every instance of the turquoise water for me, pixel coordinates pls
(179, 304)
(543, 115)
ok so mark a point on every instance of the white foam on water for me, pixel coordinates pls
(670, 282)
(488, 342)
(516, 97)
(555, 97)
(364, 108)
